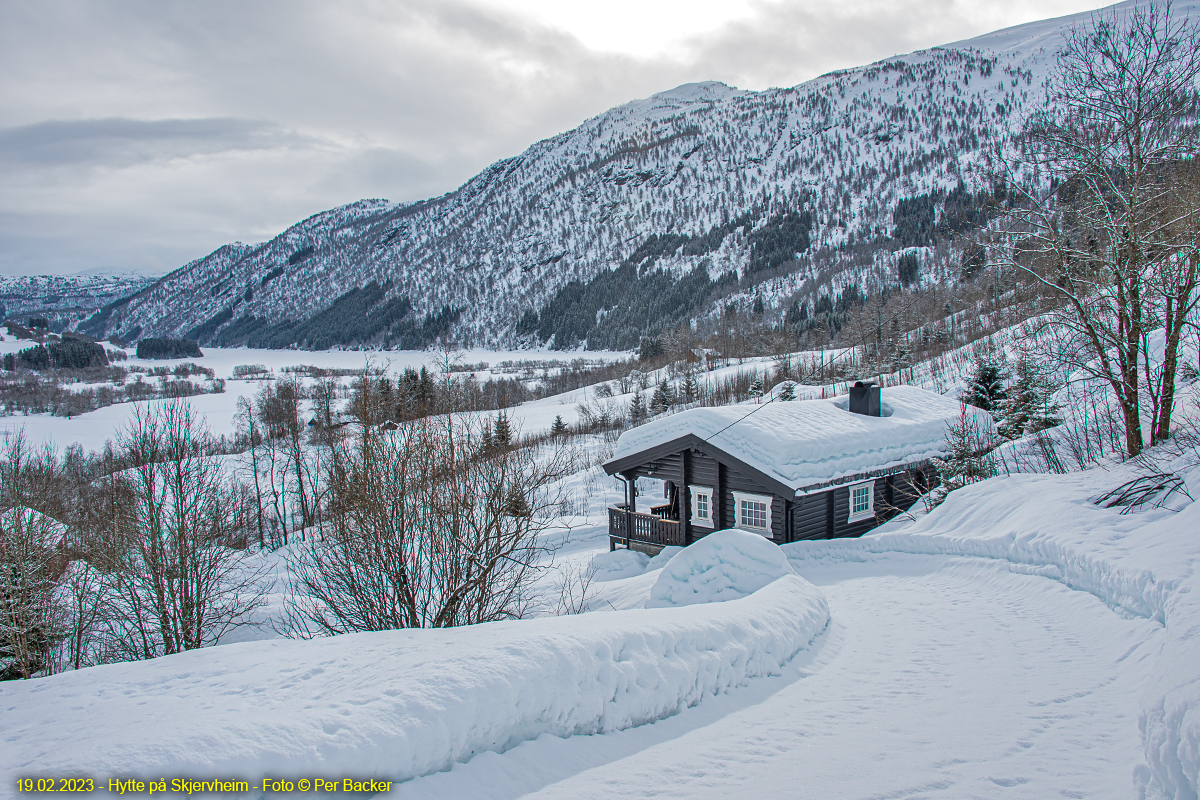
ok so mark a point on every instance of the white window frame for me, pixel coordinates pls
(706, 491)
(869, 512)
(738, 498)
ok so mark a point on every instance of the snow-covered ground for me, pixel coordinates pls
(93, 429)
(1019, 641)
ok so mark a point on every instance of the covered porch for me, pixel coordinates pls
(658, 527)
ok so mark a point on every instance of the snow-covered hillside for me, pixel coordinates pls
(846, 148)
(65, 293)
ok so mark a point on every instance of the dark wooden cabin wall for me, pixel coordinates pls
(667, 468)
(841, 510)
(704, 470)
(737, 480)
(810, 517)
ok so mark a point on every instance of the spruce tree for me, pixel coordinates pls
(986, 390)
(787, 391)
(501, 433)
(1029, 405)
(690, 388)
(756, 387)
(661, 400)
(969, 458)
(637, 408)
(559, 428)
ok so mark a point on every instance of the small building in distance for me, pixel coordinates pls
(807, 469)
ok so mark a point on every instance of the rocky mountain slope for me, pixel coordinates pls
(655, 211)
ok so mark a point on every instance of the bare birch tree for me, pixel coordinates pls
(1118, 123)
(32, 559)
(176, 583)
(280, 409)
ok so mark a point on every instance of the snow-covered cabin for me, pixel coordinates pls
(808, 469)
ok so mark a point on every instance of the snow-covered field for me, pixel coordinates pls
(93, 429)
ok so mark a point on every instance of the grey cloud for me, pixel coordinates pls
(377, 171)
(119, 142)
(231, 120)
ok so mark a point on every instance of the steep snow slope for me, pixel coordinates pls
(846, 146)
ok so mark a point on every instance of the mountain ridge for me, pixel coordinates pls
(475, 263)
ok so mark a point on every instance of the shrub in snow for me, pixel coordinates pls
(31, 563)
(722, 566)
(426, 525)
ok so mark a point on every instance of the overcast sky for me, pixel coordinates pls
(136, 135)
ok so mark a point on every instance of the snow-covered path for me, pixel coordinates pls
(939, 676)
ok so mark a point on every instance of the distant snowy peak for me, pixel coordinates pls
(1046, 35)
(686, 179)
(685, 95)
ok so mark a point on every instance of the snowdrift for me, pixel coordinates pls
(398, 704)
(722, 566)
(1140, 564)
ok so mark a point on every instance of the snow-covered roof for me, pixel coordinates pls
(805, 443)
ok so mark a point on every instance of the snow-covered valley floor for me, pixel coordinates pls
(939, 676)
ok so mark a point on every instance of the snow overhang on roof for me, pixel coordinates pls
(806, 443)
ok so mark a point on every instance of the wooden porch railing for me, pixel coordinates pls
(646, 528)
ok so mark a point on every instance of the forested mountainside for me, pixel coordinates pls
(64, 299)
(648, 214)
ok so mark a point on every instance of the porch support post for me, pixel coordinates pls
(629, 500)
(685, 500)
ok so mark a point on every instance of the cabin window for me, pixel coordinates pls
(753, 512)
(862, 502)
(702, 505)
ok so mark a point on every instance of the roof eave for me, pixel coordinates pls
(691, 441)
(860, 476)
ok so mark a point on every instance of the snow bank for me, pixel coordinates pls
(619, 564)
(1040, 523)
(398, 704)
(722, 566)
(802, 443)
(1140, 564)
